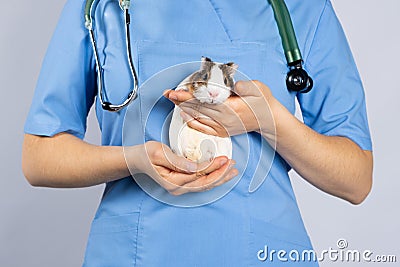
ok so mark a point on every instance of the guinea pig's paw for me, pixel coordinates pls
(208, 150)
(192, 154)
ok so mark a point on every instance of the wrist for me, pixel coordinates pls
(133, 158)
(290, 132)
(113, 161)
(268, 121)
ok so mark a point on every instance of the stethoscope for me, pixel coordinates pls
(297, 79)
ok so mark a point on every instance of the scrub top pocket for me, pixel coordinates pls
(271, 245)
(112, 241)
(163, 66)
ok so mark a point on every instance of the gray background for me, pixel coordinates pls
(48, 227)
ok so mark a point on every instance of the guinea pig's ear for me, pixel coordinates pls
(232, 68)
(205, 62)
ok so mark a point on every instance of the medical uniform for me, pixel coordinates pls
(132, 228)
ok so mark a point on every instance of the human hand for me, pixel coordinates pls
(176, 174)
(248, 110)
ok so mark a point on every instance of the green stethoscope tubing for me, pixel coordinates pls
(297, 78)
(286, 31)
(88, 12)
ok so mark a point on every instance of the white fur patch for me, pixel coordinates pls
(195, 145)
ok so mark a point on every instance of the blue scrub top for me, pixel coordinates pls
(130, 227)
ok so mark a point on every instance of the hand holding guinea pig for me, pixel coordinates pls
(248, 109)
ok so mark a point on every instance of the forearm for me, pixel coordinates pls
(66, 161)
(333, 164)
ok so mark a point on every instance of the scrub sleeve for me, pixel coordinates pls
(66, 87)
(336, 106)
(130, 227)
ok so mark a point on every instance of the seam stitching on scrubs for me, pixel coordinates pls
(364, 142)
(138, 227)
(315, 32)
(213, 7)
(139, 62)
(48, 129)
(137, 237)
(237, 44)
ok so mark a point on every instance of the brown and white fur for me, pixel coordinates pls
(212, 84)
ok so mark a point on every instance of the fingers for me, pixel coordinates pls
(164, 157)
(178, 96)
(178, 175)
(249, 88)
(185, 100)
(204, 125)
(232, 173)
(188, 103)
(217, 164)
(204, 108)
(179, 179)
(246, 88)
(177, 183)
(209, 181)
(242, 89)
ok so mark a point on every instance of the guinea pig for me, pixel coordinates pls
(213, 83)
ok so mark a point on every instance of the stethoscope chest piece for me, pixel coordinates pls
(298, 80)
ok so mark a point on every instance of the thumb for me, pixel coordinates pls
(177, 163)
(248, 88)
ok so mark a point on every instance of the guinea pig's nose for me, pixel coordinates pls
(213, 94)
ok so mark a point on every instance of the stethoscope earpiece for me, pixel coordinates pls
(298, 80)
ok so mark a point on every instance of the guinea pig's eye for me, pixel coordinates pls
(205, 76)
(225, 81)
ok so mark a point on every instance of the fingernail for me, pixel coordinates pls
(233, 174)
(231, 165)
(223, 162)
(192, 167)
(173, 96)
